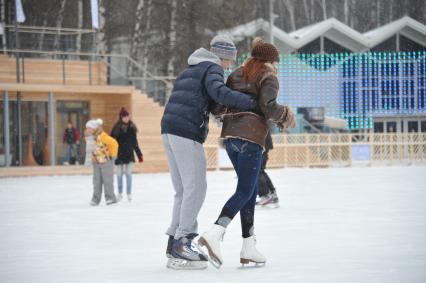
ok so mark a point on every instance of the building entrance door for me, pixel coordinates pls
(76, 112)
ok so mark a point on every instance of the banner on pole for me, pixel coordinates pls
(1, 29)
(20, 16)
(95, 12)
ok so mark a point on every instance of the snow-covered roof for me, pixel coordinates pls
(406, 26)
(334, 30)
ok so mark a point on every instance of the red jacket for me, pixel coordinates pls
(71, 136)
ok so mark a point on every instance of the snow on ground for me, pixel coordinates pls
(334, 225)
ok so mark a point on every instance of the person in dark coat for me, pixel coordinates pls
(124, 131)
(266, 189)
(184, 128)
(72, 139)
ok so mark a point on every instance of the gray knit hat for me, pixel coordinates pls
(223, 47)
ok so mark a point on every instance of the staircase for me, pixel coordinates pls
(146, 114)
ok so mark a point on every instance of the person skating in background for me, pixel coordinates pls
(71, 139)
(266, 189)
(105, 150)
(244, 133)
(125, 132)
(184, 128)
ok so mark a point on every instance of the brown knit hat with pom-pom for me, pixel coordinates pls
(264, 51)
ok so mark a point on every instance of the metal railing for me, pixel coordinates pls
(117, 66)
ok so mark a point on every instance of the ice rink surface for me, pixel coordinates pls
(334, 225)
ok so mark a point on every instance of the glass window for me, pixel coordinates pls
(2, 149)
(391, 127)
(423, 126)
(332, 47)
(378, 127)
(387, 45)
(406, 44)
(312, 47)
(34, 127)
(413, 126)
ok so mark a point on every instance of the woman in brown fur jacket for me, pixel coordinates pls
(244, 133)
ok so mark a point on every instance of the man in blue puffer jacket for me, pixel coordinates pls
(184, 128)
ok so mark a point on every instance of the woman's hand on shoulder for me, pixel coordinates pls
(288, 120)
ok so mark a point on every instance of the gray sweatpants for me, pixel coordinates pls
(103, 176)
(187, 165)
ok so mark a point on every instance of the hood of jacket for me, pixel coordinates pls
(202, 55)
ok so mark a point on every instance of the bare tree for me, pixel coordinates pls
(172, 39)
(289, 5)
(378, 13)
(312, 11)
(79, 25)
(100, 35)
(346, 11)
(3, 21)
(324, 10)
(59, 21)
(306, 9)
(137, 36)
(146, 44)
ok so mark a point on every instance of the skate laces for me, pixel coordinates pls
(221, 237)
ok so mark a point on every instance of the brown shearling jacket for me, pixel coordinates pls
(252, 126)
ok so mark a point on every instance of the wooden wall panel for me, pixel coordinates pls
(48, 71)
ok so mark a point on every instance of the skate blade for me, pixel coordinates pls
(247, 264)
(211, 257)
(182, 264)
(270, 205)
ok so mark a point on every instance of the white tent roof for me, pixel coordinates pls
(336, 31)
(406, 26)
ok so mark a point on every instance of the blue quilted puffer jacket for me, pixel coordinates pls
(187, 111)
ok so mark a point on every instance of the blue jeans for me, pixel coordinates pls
(128, 172)
(246, 157)
(71, 152)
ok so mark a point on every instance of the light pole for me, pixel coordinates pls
(18, 80)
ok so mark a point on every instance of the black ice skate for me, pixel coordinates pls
(169, 247)
(183, 255)
(184, 249)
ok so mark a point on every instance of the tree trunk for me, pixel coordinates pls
(79, 25)
(306, 9)
(390, 11)
(59, 24)
(136, 38)
(145, 46)
(346, 11)
(172, 43)
(324, 10)
(377, 13)
(312, 11)
(41, 37)
(290, 8)
(3, 20)
(100, 36)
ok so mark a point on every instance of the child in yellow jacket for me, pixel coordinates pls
(103, 152)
